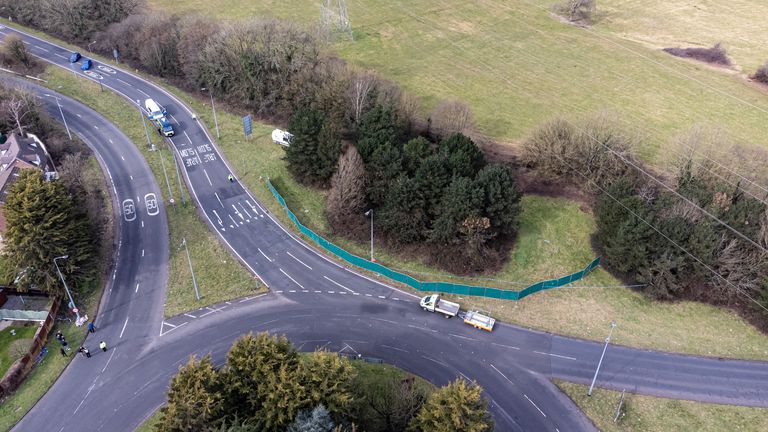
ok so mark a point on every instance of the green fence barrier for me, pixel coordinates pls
(443, 287)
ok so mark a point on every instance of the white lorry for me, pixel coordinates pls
(433, 303)
(157, 114)
(282, 137)
(477, 319)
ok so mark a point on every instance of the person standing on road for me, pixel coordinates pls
(103, 346)
(86, 352)
(91, 327)
(231, 178)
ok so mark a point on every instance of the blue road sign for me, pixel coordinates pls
(247, 125)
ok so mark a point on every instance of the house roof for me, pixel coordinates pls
(17, 153)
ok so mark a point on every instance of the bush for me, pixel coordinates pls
(715, 55)
(576, 10)
(761, 75)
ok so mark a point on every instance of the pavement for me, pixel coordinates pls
(317, 303)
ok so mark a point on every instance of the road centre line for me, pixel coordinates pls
(265, 255)
(459, 336)
(289, 277)
(114, 350)
(57, 54)
(502, 374)
(84, 397)
(217, 197)
(537, 407)
(41, 48)
(338, 284)
(143, 92)
(123, 330)
(436, 361)
(137, 288)
(556, 355)
(505, 346)
(206, 176)
(394, 348)
(126, 83)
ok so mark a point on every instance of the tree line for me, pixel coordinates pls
(46, 219)
(266, 385)
(651, 235)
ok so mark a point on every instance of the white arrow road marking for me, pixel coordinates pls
(237, 212)
(246, 211)
(252, 207)
(233, 220)
(218, 219)
(217, 197)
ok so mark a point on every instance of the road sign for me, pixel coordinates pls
(75, 310)
(247, 125)
(115, 53)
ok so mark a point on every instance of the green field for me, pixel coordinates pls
(10, 347)
(645, 413)
(516, 65)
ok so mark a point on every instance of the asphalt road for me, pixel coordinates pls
(318, 303)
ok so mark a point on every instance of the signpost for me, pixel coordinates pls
(247, 126)
(115, 54)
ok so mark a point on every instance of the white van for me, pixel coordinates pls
(281, 137)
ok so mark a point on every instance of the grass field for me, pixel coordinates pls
(645, 413)
(516, 65)
(8, 342)
(224, 281)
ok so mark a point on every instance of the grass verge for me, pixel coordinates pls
(646, 413)
(222, 277)
(13, 347)
(150, 423)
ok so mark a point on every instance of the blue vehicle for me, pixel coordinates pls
(86, 64)
(74, 57)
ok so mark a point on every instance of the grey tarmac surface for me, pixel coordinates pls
(319, 303)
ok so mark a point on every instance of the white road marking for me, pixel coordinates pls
(128, 84)
(529, 400)
(338, 284)
(265, 255)
(172, 329)
(291, 291)
(95, 127)
(505, 346)
(131, 177)
(305, 291)
(123, 330)
(436, 361)
(394, 348)
(302, 263)
(381, 297)
(289, 277)
(233, 220)
(206, 176)
(143, 92)
(246, 211)
(59, 55)
(137, 288)
(78, 115)
(461, 337)
(368, 295)
(84, 397)
(110, 359)
(556, 355)
(385, 320)
(331, 292)
(217, 197)
(142, 224)
(188, 138)
(190, 315)
(121, 157)
(110, 141)
(142, 252)
(41, 48)
(502, 374)
(318, 292)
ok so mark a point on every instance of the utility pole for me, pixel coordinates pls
(607, 341)
(213, 105)
(89, 47)
(178, 176)
(66, 288)
(146, 129)
(194, 281)
(63, 119)
(370, 213)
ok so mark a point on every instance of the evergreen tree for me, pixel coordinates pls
(464, 157)
(377, 127)
(316, 420)
(194, 398)
(461, 200)
(457, 407)
(328, 380)
(43, 222)
(501, 199)
(414, 153)
(403, 215)
(385, 164)
(328, 151)
(302, 154)
(432, 177)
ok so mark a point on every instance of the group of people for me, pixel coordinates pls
(82, 350)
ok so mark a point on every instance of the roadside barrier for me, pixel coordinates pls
(443, 287)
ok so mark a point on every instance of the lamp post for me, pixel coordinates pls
(370, 213)
(89, 47)
(146, 129)
(63, 119)
(66, 288)
(213, 106)
(607, 341)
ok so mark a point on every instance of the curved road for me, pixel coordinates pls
(318, 303)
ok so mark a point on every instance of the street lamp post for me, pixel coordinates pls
(66, 288)
(146, 129)
(63, 119)
(370, 213)
(213, 106)
(607, 341)
(89, 47)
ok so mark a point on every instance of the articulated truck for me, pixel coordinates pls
(477, 319)
(157, 114)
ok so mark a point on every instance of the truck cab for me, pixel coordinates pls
(164, 127)
(433, 303)
(157, 114)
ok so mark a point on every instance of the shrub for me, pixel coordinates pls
(761, 75)
(715, 55)
(576, 10)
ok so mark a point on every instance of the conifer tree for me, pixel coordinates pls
(194, 398)
(457, 407)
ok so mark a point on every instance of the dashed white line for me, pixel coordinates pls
(121, 157)
(41, 48)
(137, 288)
(331, 292)
(217, 197)
(131, 177)
(289, 277)
(126, 83)
(95, 127)
(381, 297)
(145, 93)
(368, 295)
(502, 374)
(265, 255)
(300, 261)
(529, 400)
(436, 361)
(123, 330)
(305, 291)
(505, 346)
(114, 350)
(142, 224)
(318, 292)
(142, 252)
(78, 115)
(206, 175)
(190, 315)
(394, 348)
(555, 355)
(59, 55)
(110, 141)
(338, 284)
(291, 291)
(461, 337)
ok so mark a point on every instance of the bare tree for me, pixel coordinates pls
(576, 10)
(360, 94)
(17, 108)
(346, 201)
(17, 51)
(451, 117)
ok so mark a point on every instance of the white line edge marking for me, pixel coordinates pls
(338, 284)
(265, 255)
(114, 350)
(537, 407)
(502, 374)
(137, 287)
(206, 176)
(555, 355)
(289, 277)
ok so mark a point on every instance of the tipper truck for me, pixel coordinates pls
(157, 114)
(477, 319)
